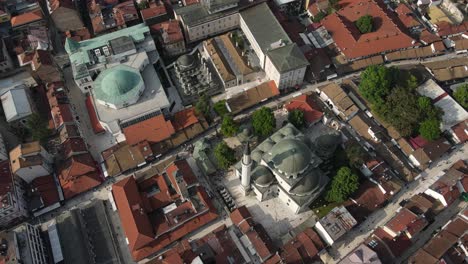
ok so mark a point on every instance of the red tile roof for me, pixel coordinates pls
(80, 184)
(76, 166)
(303, 248)
(306, 105)
(461, 131)
(406, 16)
(439, 244)
(387, 37)
(135, 221)
(446, 29)
(95, 124)
(153, 130)
(153, 11)
(242, 218)
(427, 37)
(393, 245)
(369, 198)
(125, 12)
(72, 146)
(182, 167)
(184, 119)
(401, 221)
(417, 226)
(62, 114)
(169, 31)
(78, 34)
(26, 18)
(46, 188)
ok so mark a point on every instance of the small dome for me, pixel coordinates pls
(262, 176)
(277, 137)
(308, 184)
(257, 155)
(267, 145)
(289, 131)
(186, 60)
(291, 156)
(119, 82)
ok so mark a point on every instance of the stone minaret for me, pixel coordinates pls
(246, 169)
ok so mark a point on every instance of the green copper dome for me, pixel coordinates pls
(118, 85)
(119, 82)
(291, 156)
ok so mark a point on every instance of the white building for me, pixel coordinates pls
(335, 224)
(12, 201)
(16, 104)
(207, 18)
(454, 113)
(30, 160)
(283, 166)
(281, 59)
(118, 70)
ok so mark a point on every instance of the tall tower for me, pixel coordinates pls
(246, 169)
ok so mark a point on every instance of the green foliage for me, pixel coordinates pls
(365, 24)
(38, 128)
(461, 95)
(220, 108)
(263, 122)
(229, 127)
(356, 154)
(321, 15)
(430, 129)
(334, 4)
(225, 156)
(393, 97)
(424, 103)
(142, 5)
(343, 185)
(376, 83)
(296, 117)
(203, 106)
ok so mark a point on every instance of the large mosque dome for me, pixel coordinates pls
(118, 86)
(291, 156)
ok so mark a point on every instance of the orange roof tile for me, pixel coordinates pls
(135, 221)
(81, 184)
(387, 36)
(26, 18)
(184, 119)
(401, 221)
(73, 145)
(45, 186)
(306, 105)
(406, 16)
(95, 124)
(153, 130)
(171, 28)
(76, 166)
(153, 11)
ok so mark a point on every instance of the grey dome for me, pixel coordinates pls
(262, 176)
(257, 155)
(267, 145)
(308, 183)
(291, 156)
(277, 137)
(186, 60)
(289, 131)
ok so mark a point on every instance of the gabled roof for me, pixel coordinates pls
(184, 119)
(181, 167)
(135, 221)
(287, 58)
(26, 18)
(76, 166)
(242, 218)
(72, 146)
(153, 11)
(401, 221)
(406, 16)
(387, 37)
(153, 130)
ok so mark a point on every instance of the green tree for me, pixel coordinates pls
(296, 117)
(430, 129)
(225, 156)
(365, 24)
(263, 122)
(461, 95)
(220, 108)
(402, 111)
(203, 106)
(356, 154)
(142, 5)
(377, 83)
(343, 185)
(229, 127)
(38, 128)
(424, 103)
(321, 15)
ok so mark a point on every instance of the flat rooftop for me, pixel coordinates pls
(153, 99)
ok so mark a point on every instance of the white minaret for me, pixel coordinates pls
(246, 169)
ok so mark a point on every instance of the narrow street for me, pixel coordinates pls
(356, 236)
